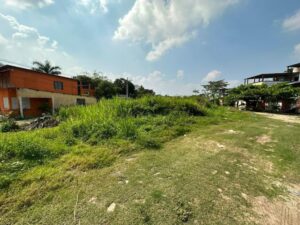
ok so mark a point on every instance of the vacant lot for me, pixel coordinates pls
(227, 168)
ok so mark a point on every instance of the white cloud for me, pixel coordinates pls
(297, 50)
(212, 76)
(234, 83)
(3, 40)
(292, 23)
(161, 84)
(24, 4)
(167, 24)
(23, 44)
(103, 5)
(180, 74)
(94, 5)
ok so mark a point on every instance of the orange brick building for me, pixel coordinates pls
(27, 93)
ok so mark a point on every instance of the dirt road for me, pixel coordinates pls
(284, 118)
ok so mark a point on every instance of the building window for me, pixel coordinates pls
(6, 102)
(58, 85)
(26, 103)
(14, 103)
(80, 101)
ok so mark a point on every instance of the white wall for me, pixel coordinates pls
(59, 99)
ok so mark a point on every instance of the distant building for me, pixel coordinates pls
(292, 76)
(27, 93)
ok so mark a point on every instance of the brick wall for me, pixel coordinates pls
(22, 78)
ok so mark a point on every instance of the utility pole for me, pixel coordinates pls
(127, 89)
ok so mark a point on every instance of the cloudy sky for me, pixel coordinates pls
(171, 46)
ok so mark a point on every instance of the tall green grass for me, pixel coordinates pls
(119, 126)
(121, 118)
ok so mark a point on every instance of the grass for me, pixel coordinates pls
(95, 136)
(158, 159)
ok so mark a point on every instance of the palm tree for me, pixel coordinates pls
(46, 68)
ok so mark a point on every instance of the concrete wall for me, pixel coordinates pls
(59, 99)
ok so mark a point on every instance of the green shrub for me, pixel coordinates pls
(4, 181)
(79, 130)
(70, 141)
(149, 142)
(86, 159)
(50, 134)
(127, 129)
(116, 108)
(179, 131)
(119, 126)
(25, 146)
(9, 125)
(104, 130)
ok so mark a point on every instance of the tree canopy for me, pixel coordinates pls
(105, 88)
(121, 86)
(215, 89)
(141, 91)
(274, 93)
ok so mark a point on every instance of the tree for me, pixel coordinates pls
(215, 89)
(121, 86)
(254, 94)
(141, 91)
(46, 68)
(196, 92)
(85, 79)
(105, 89)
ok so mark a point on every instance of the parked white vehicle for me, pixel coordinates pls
(241, 105)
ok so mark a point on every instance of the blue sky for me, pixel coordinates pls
(171, 46)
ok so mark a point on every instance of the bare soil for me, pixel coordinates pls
(279, 212)
(284, 118)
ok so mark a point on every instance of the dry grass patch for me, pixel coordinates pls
(284, 211)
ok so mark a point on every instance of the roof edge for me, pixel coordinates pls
(21, 68)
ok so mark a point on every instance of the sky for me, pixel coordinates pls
(171, 46)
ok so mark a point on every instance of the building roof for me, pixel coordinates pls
(295, 65)
(10, 67)
(271, 75)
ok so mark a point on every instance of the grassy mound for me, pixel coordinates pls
(110, 153)
(94, 136)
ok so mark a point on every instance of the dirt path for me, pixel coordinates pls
(279, 212)
(284, 118)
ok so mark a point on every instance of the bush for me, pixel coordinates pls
(122, 126)
(87, 159)
(104, 130)
(161, 106)
(179, 131)
(149, 142)
(28, 147)
(9, 125)
(121, 118)
(127, 129)
(4, 181)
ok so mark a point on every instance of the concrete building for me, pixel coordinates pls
(27, 93)
(292, 76)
